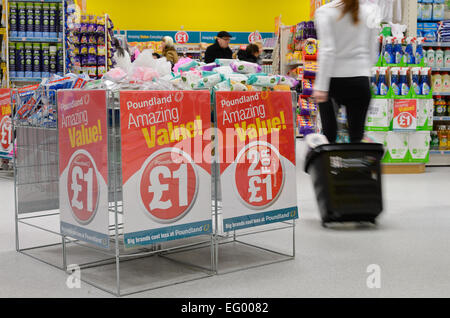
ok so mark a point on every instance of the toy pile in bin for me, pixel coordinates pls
(89, 44)
(35, 105)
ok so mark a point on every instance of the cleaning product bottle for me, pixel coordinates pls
(403, 83)
(431, 62)
(373, 82)
(395, 80)
(389, 50)
(437, 83)
(416, 84)
(446, 83)
(424, 81)
(439, 58)
(419, 50)
(447, 58)
(398, 50)
(382, 84)
(409, 52)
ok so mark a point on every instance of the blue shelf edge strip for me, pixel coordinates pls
(25, 79)
(36, 39)
(440, 152)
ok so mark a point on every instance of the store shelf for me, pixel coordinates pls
(267, 60)
(37, 39)
(436, 44)
(25, 79)
(44, 1)
(441, 69)
(268, 48)
(294, 64)
(439, 152)
(441, 94)
(441, 118)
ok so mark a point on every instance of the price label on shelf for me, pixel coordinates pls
(405, 115)
(168, 187)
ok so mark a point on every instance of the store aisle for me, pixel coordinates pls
(410, 245)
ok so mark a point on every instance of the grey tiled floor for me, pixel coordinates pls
(411, 245)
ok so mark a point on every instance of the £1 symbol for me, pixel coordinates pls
(82, 188)
(5, 132)
(168, 187)
(259, 174)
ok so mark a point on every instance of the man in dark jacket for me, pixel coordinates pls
(220, 49)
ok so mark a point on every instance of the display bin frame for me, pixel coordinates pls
(162, 264)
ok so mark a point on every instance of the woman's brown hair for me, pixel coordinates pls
(352, 7)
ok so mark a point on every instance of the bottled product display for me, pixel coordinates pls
(35, 60)
(89, 44)
(402, 51)
(400, 80)
(36, 19)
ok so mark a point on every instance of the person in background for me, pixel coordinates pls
(347, 51)
(220, 49)
(168, 50)
(250, 54)
(121, 56)
(260, 46)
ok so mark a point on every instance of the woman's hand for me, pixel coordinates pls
(320, 96)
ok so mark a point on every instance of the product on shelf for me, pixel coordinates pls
(38, 19)
(443, 137)
(13, 18)
(440, 107)
(12, 59)
(45, 19)
(89, 45)
(37, 65)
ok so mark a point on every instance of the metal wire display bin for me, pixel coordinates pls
(118, 270)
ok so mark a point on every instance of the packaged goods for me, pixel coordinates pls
(29, 28)
(21, 19)
(37, 60)
(12, 59)
(13, 19)
(46, 20)
(38, 19)
(245, 67)
(268, 81)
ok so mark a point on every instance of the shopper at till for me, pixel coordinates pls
(250, 54)
(220, 49)
(346, 54)
(168, 50)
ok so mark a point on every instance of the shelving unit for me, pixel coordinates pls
(441, 69)
(36, 39)
(18, 81)
(436, 44)
(441, 118)
(441, 94)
